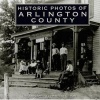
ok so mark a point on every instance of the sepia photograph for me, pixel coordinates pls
(49, 49)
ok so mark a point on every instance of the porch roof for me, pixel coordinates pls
(32, 31)
(44, 28)
(92, 22)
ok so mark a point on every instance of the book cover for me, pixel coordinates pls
(49, 49)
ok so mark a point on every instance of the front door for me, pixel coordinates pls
(85, 44)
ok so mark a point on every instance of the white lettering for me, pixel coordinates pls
(36, 14)
(83, 14)
(67, 13)
(21, 14)
(43, 14)
(59, 14)
(51, 14)
(75, 14)
(29, 14)
(49, 20)
(57, 20)
(72, 20)
(64, 20)
(33, 20)
(19, 8)
(41, 20)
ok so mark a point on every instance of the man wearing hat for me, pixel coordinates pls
(55, 56)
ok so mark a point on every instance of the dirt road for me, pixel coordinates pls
(92, 92)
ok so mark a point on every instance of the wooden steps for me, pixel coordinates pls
(90, 78)
(29, 80)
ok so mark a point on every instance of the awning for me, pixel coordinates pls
(33, 31)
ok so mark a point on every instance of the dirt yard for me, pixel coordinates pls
(92, 92)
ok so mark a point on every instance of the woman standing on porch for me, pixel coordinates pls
(55, 56)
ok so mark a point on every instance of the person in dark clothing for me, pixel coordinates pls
(55, 57)
(39, 70)
(39, 56)
(90, 66)
(81, 63)
(66, 79)
(45, 58)
(68, 71)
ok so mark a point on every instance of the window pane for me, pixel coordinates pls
(83, 1)
(78, 1)
(91, 11)
(91, 3)
(86, 1)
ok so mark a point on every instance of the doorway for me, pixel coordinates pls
(85, 50)
(64, 36)
(42, 51)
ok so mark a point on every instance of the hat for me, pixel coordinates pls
(38, 61)
(62, 43)
(54, 44)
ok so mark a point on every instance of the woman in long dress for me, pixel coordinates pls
(23, 67)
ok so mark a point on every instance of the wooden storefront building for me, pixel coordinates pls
(81, 41)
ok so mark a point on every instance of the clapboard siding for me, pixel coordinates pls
(67, 2)
(96, 17)
(96, 51)
(60, 1)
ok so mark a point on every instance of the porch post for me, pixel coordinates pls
(16, 51)
(75, 47)
(15, 62)
(31, 50)
(50, 53)
(35, 51)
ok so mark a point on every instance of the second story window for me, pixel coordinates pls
(83, 1)
(91, 4)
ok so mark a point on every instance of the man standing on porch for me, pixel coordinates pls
(55, 56)
(45, 57)
(63, 56)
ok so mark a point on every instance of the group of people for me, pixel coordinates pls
(35, 67)
(42, 56)
(66, 77)
(58, 55)
(38, 66)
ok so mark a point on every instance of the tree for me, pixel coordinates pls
(8, 27)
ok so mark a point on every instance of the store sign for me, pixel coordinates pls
(39, 40)
(52, 14)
